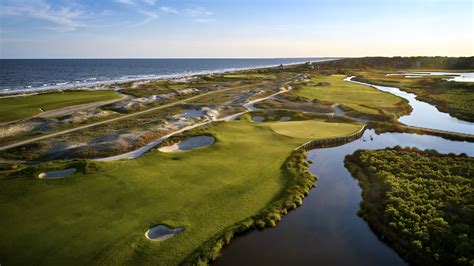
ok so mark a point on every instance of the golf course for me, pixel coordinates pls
(14, 108)
(103, 214)
(169, 172)
(236, 133)
(362, 99)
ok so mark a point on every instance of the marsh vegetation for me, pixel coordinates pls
(419, 201)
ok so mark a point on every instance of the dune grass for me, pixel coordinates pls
(101, 217)
(250, 76)
(361, 98)
(314, 129)
(25, 106)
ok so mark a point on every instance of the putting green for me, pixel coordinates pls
(313, 129)
(25, 106)
(361, 98)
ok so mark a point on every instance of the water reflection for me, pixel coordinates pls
(326, 230)
(424, 114)
(454, 76)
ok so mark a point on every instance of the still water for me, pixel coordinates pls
(326, 230)
(425, 114)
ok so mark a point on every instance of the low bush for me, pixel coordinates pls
(420, 202)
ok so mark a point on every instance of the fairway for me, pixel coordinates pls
(361, 98)
(102, 217)
(313, 129)
(25, 106)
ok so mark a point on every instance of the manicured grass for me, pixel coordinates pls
(102, 217)
(313, 129)
(22, 107)
(361, 98)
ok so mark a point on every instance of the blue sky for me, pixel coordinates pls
(228, 28)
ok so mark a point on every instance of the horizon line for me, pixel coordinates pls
(222, 58)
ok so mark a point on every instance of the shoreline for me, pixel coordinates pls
(102, 85)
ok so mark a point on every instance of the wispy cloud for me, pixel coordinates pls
(167, 9)
(198, 12)
(149, 17)
(60, 18)
(204, 20)
(150, 2)
(126, 2)
(136, 2)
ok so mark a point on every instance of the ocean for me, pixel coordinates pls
(30, 75)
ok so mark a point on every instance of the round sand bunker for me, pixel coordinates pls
(57, 174)
(162, 232)
(189, 144)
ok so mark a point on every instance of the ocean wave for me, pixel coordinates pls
(100, 82)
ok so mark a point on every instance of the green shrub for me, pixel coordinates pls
(419, 201)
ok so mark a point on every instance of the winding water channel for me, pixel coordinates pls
(425, 114)
(326, 230)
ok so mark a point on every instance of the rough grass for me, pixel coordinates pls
(360, 98)
(101, 217)
(25, 106)
(250, 76)
(313, 129)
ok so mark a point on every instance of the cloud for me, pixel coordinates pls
(203, 20)
(150, 2)
(198, 12)
(149, 17)
(126, 2)
(167, 9)
(61, 19)
(140, 6)
(136, 2)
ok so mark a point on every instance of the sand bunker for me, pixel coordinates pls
(258, 118)
(285, 118)
(201, 112)
(189, 144)
(162, 232)
(57, 174)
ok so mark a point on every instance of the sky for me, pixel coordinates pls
(231, 28)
